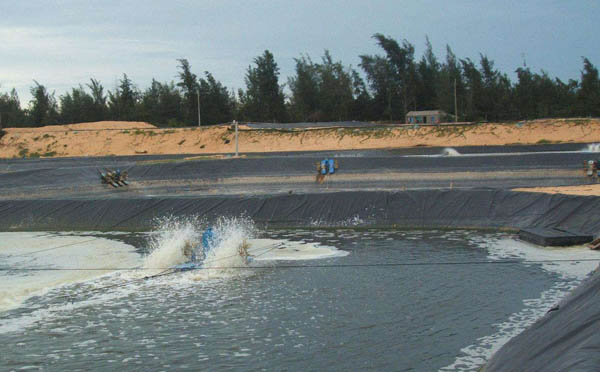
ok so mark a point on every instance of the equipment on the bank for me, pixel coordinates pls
(595, 244)
(115, 178)
(591, 168)
(325, 167)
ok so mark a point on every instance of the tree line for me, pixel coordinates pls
(387, 86)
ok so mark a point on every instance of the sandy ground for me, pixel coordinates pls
(131, 138)
(587, 190)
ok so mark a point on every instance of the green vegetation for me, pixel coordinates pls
(142, 132)
(45, 136)
(386, 87)
(263, 99)
(24, 153)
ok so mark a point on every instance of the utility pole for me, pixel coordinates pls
(199, 121)
(455, 105)
(236, 138)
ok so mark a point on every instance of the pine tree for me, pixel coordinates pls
(43, 107)
(263, 99)
(588, 96)
(188, 83)
(122, 103)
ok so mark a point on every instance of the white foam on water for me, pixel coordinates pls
(43, 251)
(273, 250)
(448, 151)
(570, 272)
(100, 288)
(61, 310)
(591, 148)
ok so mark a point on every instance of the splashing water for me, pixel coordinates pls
(168, 241)
(592, 147)
(230, 235)
(174, 235)
(449, 151)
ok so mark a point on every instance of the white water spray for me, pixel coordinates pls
(174, 235)
(167, 242)
(449, 151)
(592, 147)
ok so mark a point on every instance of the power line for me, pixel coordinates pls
(171, 270)
(381, 264)
(53, 248)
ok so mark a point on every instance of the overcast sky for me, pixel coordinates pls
(63, 43)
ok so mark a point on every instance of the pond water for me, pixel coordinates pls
(335, 299)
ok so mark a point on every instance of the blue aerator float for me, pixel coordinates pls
(325, 167)
(209, 240)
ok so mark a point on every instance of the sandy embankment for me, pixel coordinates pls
(131, 138)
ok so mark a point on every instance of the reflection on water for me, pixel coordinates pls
(267, 316)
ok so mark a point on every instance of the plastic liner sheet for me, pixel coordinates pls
(565, 339)
(554, 237)
(483, 208)
(19, 173)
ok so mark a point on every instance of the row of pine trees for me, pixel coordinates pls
(388, 85)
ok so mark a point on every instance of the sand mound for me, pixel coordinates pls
(131, 138)
(98, 125)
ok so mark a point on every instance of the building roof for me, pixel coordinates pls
(426, 113)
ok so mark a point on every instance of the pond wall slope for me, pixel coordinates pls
(475, 208)
(565, 339)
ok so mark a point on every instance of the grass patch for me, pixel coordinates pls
(578, 121)
(141, 132)
(24, 153)
(45, 136)
(543, 142)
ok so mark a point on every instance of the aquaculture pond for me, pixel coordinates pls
(308, 299)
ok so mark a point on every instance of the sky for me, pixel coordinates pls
(64, 43)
